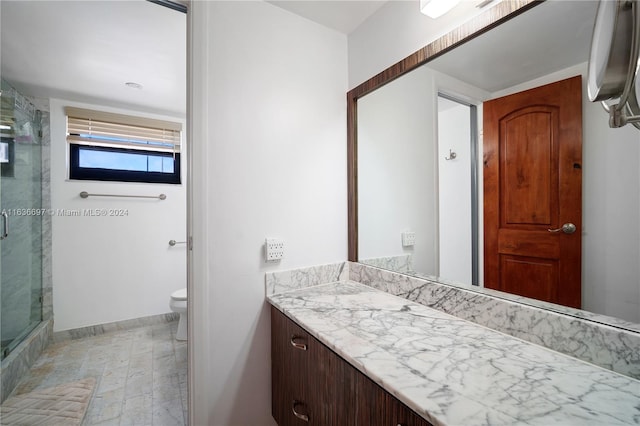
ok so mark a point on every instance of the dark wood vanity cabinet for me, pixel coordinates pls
(311, 385)
(378, 407)
(307, 383)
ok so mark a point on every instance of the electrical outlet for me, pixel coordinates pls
(273, 249)
(408, 239)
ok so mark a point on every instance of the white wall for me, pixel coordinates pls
(397, 187)
(269, 131)
(454, 193)
(108, 269)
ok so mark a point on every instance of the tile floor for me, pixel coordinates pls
(141, 375)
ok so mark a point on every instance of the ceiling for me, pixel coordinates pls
(552, 36)
(87, 51)
(344, 16)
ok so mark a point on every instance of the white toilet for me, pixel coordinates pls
(179, 304)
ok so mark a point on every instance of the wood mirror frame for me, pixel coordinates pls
(492, 18)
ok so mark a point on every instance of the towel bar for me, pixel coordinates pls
(85, 194)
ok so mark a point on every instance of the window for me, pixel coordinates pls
(115, 147)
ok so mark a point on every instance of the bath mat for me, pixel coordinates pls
(63, 405)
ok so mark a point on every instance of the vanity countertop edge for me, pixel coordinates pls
(454, 372)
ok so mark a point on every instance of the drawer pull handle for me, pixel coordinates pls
(303, 417)
(297, 345)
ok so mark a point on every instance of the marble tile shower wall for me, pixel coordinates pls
(21, 252)
(26, 277)
(603, 345)
(17, 364)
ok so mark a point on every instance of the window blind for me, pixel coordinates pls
(97, 128)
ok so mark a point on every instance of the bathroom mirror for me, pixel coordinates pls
(398, 167)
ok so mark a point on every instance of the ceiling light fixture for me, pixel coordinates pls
(133, 85)
(436, 8)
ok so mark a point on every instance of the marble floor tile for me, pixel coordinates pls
(139, 386)
(141, 375)
(168, 413)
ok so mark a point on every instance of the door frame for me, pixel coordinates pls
(473, 150)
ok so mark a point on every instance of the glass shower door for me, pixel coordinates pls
(20, 220)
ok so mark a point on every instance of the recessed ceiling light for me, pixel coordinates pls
(133, 85)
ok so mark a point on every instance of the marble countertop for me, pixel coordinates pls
(454, 372)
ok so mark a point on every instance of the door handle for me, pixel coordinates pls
(567, 228)
(5, 227)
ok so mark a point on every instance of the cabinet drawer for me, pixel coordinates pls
(289, 366)
(396, 413)
(377, 407)
(309, 382)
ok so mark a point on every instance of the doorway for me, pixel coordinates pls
(109, 274)
(457, 189)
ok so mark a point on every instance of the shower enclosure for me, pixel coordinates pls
(21, 219)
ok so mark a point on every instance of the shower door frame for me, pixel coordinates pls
(28, 217)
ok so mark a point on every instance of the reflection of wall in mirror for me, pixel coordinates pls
(611, 176)
(404, 181)
(454, 190)
(397, 171)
